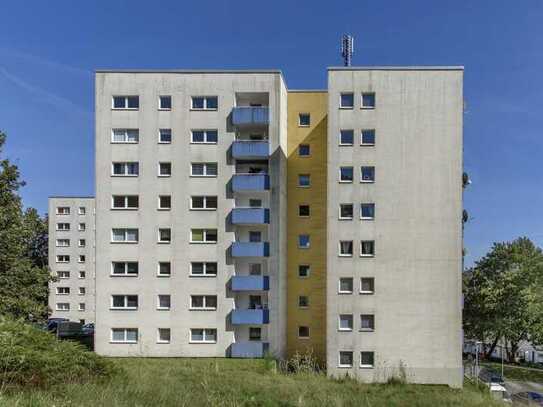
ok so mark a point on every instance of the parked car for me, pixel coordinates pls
(528, 398)
(488, 375)
(88, 329)
(52, 323)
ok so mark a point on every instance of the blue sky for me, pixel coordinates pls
(48, 51)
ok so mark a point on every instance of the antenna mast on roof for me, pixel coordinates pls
(347, 42)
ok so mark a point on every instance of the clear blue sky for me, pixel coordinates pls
(49, 49)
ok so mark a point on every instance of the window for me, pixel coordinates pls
(203, 269)
(304, 150)
(129, 302)
(163, 335)
(203, 302)
(304, 180)
(164, 169)
(203, 169)
(63, 258)
(368, 100)
(164, 302)
(125, 202)
(204, 136)
(199, 335)
(303, 332)
(165, 102)
(124, 268)
(164, 269)
(82, 291)
(203, 235)
(63, 290)
(204, 103)
(125, 169)
(255, 203)
(345, 174)
(82, 274)
(124, 335)
(367, 248)
(367, 211)
(368, 137)
(367, 322)
(81, 258)
(255, 334)
(304, 120)
(122, 235)
(82, 210)
(304, 241)
(130, 136)
(63, 306)
(367, 359)
(63, 210)
(346, 100)
(303, 301)
(82, 306)
(164, 202)
(345, 285)
(63, 274)
(346, 248)
(345, 359)
(367, 285)
(165, 136)
(346, 137)
(63, 242)
(255, 236)
(164, 235)
(367, 174)
(346, 211)
(82, 227)
(255, 269)
(304, 211)
(82, 243)
(346, 322)
(63, 226)
(304, 270)
(126, 102)
(203, 202)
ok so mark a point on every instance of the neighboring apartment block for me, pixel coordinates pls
(71, 258)
(236, 217)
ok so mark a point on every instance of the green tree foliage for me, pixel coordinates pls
(503, 296)
(23, 249)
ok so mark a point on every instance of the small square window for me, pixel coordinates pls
(164, 269)
(303, 332)
(346, 174)
(164, 235)
(368, 137)
(367, 359)
(81, 258)
(367, 285)
(367, 211)
(255, 203)
(82, 274)
(304, 211)
(346, 211)
(165, 136)
(165, 202)
(368, 100)
(163, 302)
(304, 150)
(304, 270)
(346, 322)
(82, 306)
(165, 103)
(82, 210)
(345, 359)
(255, 334)
(255, 269)
(304, 180)
(82, 291)
(164, 169)
(367, 248)
(255, 236)
(82, 227)
(346, 248)
(346, 100)
(82, 242)
(367, 322)
(346, 137)
(304, 241)
(345, 285)
(367, 174)
(304, 120)
(303, 301)
(164, 335)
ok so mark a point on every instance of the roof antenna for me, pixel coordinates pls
(347, 42)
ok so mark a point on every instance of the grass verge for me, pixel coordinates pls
(517, 373)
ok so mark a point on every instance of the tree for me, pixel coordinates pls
(23, 257)
(502, 296)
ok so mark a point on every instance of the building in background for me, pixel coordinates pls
(235, 217)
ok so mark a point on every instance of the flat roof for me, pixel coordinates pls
(71, 196)
(268, 71)
(398, 68)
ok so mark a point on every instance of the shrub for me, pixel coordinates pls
(301, 363)
(33, 357)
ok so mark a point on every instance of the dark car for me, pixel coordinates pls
(52, 323)
(88, 329)
(490, 376)
(528, 398)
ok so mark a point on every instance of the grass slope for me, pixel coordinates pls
(518, 373)
(230, 382)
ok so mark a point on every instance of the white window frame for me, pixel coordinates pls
(300, 119)
(341, 181)
(160, 131)
(204, 307)
(204, 269)
(339, 359)
(125, 198)
(63, 276)
(343, 217)
(308, 241)
(164, 208)
(158, 269)
(363, 366)
(124, 133)
(367, 181)
(346, 107)
(59, 258)
(63, 210)
(125, 307)
(308, 332)
(82, 227)
(304, 155)
(365, 292)
(367, 255)
(205, 208)
(205, 103)
(159, 169)
(125, 169)
(366, 217)
(362, 106)
(339, 248)
(81, 258)
(367, 329)
(81, 291)
(125, 330)
(304, 186)
(340, 291)
(307, 302)
(160, 102)
(60, 243)
(158, 337)
(205, 131)
(159, 240)
(304, 216)
(82, 210)
(58, 308)
(125, 102)
(82, 307)
(205, 232)
(61, 227)
(308, 270)
(84, 274)
(339, 328)
(82, 243)
(362, 137)
(204, 335)
(341, 143)
(125, 232)
(63, 291)
(205, 167)
(126, 273)
(161, 308)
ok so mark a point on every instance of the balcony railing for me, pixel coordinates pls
(250, 316)
(250, 149)
(250, 283)
(250, 116)
(250, 249)
(249, 349)
(250, 182)
(250, 216)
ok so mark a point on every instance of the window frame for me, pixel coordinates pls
(126, 201)
(59, 290)
(163, 308)
(345, 292)
(308, 336)
(372, 319)
(205, 208)
(125, 136)
(82, 211)
(158, 336)
(81, 258)
(341, 106)
(62, 256)
(160, 132)
(373, 247)
(126, 267)
(341, 143)
(63, 240)
(308, 150)
(366, 217)
(125, 340)
(308, 270)
(81, 291)
(205, 232)
(366, 366)
(365, 292)
(350, 319)
(160, 107)
(125, 169)
(300, 305)
(126, 104)
(368, 107)
(367, 181)
(362, 138)
(352, 248)
(308, 246)
(204, 269)
(57, 308)
(168, 165)
(205, 133)
(82, 307)
(308, 179)
(205, 103)
(164, 208)
(125, 300)
(205, 170)
(308, 206)
(63, 210)
(64, 276)
(204, 336)
(160, 237)
(303, 114)
(82, 227)
(342, 181)
(341, 365)
(63, 229)
(159, 274)
(125, 241)
(341, 205)
(204, 307)
(82, 243)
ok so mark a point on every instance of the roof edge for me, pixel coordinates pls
(248, 71)
(71, 197)
(398, 68)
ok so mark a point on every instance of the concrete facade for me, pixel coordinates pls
(73, 282)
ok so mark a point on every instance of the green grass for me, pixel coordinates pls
(231, 382)
(518, 373)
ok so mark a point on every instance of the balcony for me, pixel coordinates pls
(250, 182)
(250, 283)
(249, 349)
(250, 150)
(250, 216)
(250, 249)
(250, 116)
(250, 316)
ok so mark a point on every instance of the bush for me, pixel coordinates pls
(33, 357)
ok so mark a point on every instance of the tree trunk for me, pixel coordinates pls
(492, 347)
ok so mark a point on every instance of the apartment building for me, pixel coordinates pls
(236, 217)
(71, 258)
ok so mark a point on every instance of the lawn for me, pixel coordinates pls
(518, 373)
(231, 382)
